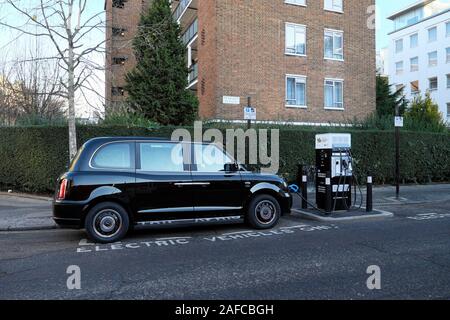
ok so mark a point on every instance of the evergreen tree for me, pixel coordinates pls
(157, 85)
(388, 101)
(425, 111)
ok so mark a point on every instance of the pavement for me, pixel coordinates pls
(21, 212)
(299, 259)
(24, 212)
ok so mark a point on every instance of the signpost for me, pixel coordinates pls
(398, 125)
(249, 113)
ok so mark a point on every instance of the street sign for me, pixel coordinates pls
(231, 100)
(399, 122)
(249, 113)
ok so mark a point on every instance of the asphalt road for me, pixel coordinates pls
(298, 260)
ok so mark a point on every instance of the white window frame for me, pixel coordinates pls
(410, 42)
(334, 80)
(415, 92)
(448, 112)
(429, 59)
(396, 47)
(334, 7)
(295, 25)
(397, 70)
(416, 65)
(447, 29)
(428, 33)
(333, 33)
(295, 3)
(447, 55)
(301, 79)
(448, 81)
(429, 83)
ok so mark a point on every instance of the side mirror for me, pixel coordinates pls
(231, 167)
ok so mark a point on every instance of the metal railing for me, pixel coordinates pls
(193, 73)
(190, 32)
(181, 8)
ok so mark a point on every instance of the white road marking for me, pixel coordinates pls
(429, 216)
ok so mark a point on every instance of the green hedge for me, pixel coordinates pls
(31, 158)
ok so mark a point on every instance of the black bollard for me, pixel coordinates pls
(305, 192)
(328, 191)
(369, 200)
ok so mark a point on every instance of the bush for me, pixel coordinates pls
(128, 119)
(31, 158)
(425, 112)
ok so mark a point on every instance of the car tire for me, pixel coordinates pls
(263, 212)
(107, 222)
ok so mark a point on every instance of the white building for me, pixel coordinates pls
(419, 51)
(383, 61)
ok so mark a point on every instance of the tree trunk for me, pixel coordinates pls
(71, 94)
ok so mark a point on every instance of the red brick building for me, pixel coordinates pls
(310, 61)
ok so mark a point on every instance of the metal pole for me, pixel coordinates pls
(397, 156)
(328, 193)
(369, 199)
(249, 104)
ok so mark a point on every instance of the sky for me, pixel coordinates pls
(384, 26)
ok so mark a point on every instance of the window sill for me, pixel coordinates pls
(295, 107)
(334, 109)
(335, 11)
(334, 59)
(295, 54)
(295, 4)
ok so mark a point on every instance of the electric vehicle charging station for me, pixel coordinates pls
(334, 177)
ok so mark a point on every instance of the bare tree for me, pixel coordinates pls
(64, 25)
(30, 88)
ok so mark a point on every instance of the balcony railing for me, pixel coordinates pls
(190, 33)
(181, 9)
(193, 73)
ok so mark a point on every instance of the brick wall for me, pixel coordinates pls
(251, 59)
(128, 18)
(242, 53)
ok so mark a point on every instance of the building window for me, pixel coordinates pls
(295, 39)
(334, 94)
(448, 112)
(399, 68)
(296, 2)
(118, 32)
(334, 5)
(448, 81)
(296, 91)
(433, 83)
(415, 87)
(119, 3)
(447, 29)
(334, 44)
(432, 59)
(447, 55)
(414, 64)
(119, 60)
(399, 87)
(432, 34)
(399, 46)
(117, 91)
(414, 41)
